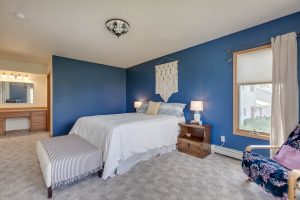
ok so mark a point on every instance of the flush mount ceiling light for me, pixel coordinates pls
(20, 15)
(117, 27)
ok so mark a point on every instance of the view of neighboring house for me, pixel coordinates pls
(255, 107)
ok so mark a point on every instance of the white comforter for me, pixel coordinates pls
(123, 135)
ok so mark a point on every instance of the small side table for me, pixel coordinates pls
(197, 143)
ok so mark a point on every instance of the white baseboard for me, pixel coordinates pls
(227, 152)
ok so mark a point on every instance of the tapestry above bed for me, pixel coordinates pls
(166, 79)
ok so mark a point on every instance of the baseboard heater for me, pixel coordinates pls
(227, 152)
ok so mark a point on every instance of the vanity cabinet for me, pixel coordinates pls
(36, 116)
(38, 120)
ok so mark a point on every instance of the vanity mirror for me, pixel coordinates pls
(16, 92)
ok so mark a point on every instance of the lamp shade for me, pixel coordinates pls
(137, 104)
(196, 105)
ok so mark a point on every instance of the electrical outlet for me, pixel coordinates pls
(222, 138)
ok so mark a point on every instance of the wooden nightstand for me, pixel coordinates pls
(198, 144)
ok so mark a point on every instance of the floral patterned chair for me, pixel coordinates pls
(270, 175)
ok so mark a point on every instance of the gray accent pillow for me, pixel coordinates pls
(173, 109)
(143, 108)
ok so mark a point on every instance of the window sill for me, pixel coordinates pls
(252, 135)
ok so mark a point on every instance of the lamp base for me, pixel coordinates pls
(196, 122)
(197, 119)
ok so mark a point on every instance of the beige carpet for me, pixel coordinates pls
(174, 176)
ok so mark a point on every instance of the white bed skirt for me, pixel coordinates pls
(126, 165)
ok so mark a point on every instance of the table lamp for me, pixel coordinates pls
(197, 106)
(137, 104)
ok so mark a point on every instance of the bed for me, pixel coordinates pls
(126, 139)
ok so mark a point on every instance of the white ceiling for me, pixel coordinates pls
(75, 28)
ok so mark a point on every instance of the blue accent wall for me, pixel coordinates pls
(204, 74)
(83, 88)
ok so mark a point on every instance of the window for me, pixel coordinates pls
(252, 92)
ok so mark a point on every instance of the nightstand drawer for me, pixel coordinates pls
(190, 147)
(182, 145)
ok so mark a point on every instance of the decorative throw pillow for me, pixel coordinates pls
(143, 108)
(288, 157)
(173, 109)
(153, 108)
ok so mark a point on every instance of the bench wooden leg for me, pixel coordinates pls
(100, 173)
(49, 192)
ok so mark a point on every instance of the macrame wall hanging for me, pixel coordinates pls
(166, 79)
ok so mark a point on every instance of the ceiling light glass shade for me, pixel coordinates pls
(19, 77)
(11, 76)
(3, 76)
(117, 27)
(26, 77)
(20, 15)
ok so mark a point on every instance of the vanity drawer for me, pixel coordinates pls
(2, 127)
(38, 118)
(38, 126)
(39, 113)
(2, 116)
(17, 114)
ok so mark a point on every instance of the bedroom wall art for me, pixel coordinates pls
(166, 79)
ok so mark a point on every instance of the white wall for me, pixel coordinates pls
(21, 66)
(40, 90)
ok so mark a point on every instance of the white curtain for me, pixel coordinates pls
(285, 97)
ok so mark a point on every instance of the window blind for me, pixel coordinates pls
(254, 67)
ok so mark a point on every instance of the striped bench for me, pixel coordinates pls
(66, 159)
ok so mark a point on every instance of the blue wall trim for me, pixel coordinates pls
(205, 75)
(83, 88)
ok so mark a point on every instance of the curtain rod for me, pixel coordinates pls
(253, 45)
